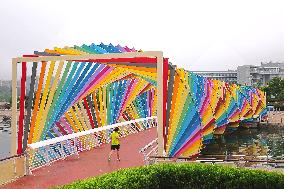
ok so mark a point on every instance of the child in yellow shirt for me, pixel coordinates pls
(114, 143)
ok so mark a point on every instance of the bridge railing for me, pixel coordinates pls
(149, 150)
(45, 152)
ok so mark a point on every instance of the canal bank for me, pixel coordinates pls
(276, 117)
(275, 120)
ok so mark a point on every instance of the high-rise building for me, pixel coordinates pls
(229, 76)
(259, 75)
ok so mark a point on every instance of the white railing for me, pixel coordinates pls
(45, 152)
(150, 149)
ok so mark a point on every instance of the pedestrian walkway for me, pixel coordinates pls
(89, 164)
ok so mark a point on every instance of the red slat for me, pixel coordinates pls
(165, 90)
(89, 113)
(131, 60)
(61, 128)
(30, 55)
(22, 108)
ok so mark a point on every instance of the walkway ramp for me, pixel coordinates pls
(89, 164)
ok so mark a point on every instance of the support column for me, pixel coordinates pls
(160, 106)
(14, 109)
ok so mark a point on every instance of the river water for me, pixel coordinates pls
(252, 142)
(5, 133)
(264, 141)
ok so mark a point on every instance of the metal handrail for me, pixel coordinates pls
(10, 157)
(51, 150)
(82, 133)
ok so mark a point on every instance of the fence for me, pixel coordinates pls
(149, 150)
(45, 152)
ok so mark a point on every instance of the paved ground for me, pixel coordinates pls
(91, 163)
(276, 117)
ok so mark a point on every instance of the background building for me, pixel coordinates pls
(5, 83)
(259, 75)
(229, 76)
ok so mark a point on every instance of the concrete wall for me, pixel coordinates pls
(12, 169)
(243, 73)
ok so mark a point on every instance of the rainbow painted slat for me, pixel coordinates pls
(200, 108)
(64, 97)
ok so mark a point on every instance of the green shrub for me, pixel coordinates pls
(183, 176)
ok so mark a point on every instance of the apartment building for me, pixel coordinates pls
(229, 76)
(259, 75)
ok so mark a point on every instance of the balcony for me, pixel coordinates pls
(268, 72)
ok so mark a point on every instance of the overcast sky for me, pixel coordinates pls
(196, 35)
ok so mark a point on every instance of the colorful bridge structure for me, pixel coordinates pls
(72, 90)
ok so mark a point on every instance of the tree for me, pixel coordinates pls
(275, 89)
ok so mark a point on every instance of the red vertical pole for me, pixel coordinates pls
(165, 92)
(22, 108)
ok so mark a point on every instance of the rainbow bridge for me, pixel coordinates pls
(71, 98)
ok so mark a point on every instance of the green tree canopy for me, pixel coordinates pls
(275, 89)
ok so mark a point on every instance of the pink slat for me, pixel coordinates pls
(67, 126)
(129, 89)
(100, 76)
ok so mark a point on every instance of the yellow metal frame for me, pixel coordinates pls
(156, 54)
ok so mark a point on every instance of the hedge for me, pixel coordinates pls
(183, 175)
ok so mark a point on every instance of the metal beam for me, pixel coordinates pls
(14, 110)
(88, 56)
(160, 107)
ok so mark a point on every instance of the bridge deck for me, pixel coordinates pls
(91, 163)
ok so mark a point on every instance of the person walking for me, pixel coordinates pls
(115, 145)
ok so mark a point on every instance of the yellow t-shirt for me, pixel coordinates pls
(114, 138)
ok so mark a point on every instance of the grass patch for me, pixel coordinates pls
(183, 175)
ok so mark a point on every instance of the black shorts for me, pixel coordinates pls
(115, 147)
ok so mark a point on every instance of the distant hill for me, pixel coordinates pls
(6, 88)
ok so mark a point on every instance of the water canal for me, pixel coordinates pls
(5, 133)
(250, 142)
